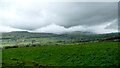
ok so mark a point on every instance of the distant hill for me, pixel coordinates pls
(25, 37)
(79, 32)
(19, 32)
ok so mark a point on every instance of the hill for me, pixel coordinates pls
(19, 32)
(27, 38)
(78, 32)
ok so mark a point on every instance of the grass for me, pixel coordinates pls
(91, 54)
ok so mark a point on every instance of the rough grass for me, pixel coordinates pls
(91, 54)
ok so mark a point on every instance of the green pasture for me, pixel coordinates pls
(91, 54)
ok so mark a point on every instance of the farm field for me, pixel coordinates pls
(90, 54)
(26, 38)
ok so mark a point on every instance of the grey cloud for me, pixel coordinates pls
(88, 14)
(113, 25)
(66, 14)
(53, 28)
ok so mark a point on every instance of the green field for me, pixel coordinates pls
(23, 39)
(67, 49)
(90, 54)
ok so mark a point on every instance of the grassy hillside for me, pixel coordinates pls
(91, 54)
(26, 38)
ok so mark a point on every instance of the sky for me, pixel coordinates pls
(58, 17)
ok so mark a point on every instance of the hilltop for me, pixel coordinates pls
(19, 32)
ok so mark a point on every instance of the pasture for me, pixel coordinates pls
(90, 54)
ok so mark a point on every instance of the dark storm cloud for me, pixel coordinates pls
(89, 14)
(31, 16)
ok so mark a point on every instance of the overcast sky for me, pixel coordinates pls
(58, 17)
